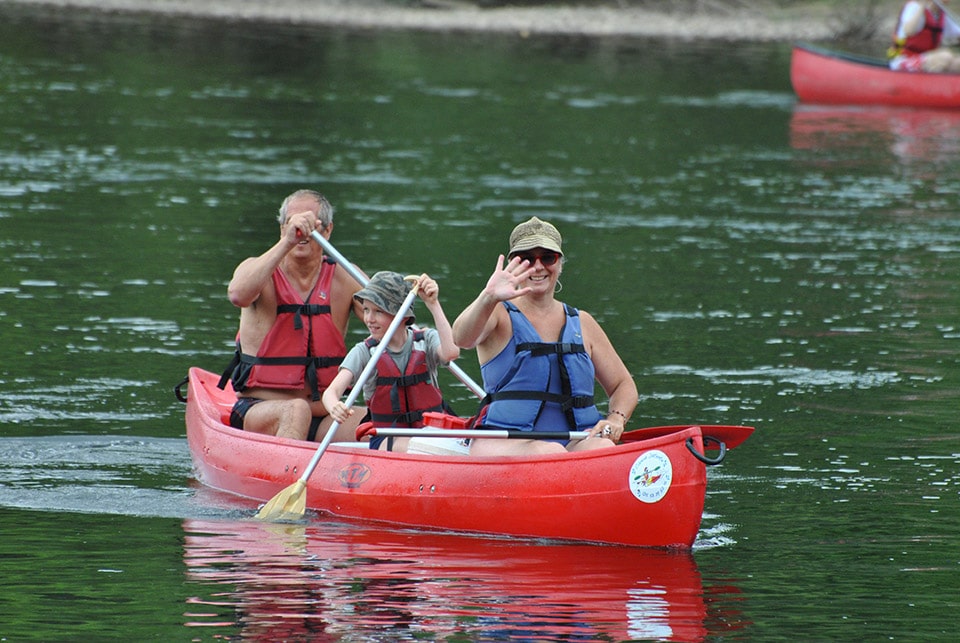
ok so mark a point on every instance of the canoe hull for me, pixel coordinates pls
(647, 493)
(827, 77)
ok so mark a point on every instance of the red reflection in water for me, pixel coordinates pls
(324, 583)
(911, 135)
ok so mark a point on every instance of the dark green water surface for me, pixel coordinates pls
(757, 262)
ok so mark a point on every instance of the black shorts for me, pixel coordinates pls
(239, 410)
(244, 404)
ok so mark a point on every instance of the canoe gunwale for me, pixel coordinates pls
(846, 56)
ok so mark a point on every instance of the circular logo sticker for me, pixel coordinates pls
(650, 476)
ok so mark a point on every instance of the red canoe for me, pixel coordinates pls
(647, 491)
(823, 76)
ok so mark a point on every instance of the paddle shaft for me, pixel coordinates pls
(732, 436)
(328, 247)
(362, 379)
(480, 433)
(946, 11)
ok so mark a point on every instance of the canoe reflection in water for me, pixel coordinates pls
(914, 136)
(333, 582)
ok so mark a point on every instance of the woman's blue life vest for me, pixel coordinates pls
(401, 399)
(534, 385)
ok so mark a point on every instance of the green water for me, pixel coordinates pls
(755, 262)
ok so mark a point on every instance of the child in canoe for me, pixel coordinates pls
(406, 384)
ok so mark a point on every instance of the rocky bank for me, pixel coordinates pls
(816, 21)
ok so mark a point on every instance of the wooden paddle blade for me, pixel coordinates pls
(289, 504)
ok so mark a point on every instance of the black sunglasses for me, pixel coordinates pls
(546, 258)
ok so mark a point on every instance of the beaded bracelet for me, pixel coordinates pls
(625, 418)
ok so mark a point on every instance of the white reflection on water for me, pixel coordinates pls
(141, 324)
(747, 99)
(802, 378)
(926, 479)
(97, 475)
(103, 475)
(80, 401)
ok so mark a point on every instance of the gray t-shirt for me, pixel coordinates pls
(358, 357)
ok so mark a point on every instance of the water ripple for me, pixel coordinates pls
(804, 379)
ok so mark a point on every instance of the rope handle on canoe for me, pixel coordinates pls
(703, 457)
(177, 389)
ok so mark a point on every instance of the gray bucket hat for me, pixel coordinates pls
(535, 233)
(387, 290)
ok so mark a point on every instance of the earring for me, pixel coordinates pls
(558, 287)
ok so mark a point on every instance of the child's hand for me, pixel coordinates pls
(340, 412)
(429, 290)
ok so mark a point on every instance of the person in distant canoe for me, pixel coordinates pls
(295, 304)
(923, 30)
(406, 384)
(540, 357)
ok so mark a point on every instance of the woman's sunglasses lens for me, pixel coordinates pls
(547, 258)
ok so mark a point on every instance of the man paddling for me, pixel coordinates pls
(295, 305)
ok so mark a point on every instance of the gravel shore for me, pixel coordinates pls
(813, 22)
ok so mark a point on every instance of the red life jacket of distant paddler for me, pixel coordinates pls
(303, 347)
(927, 39)
(401, 399)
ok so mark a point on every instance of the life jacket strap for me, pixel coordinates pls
(538, 349)
(566, 402)
(403, 380)
(302, 309)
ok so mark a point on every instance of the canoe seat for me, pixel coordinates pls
(439, 446)
(351, 445)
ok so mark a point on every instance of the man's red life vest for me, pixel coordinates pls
(302, 348)
(402, 399)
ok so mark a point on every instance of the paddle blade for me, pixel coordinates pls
(289, 504)
(732, 436)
